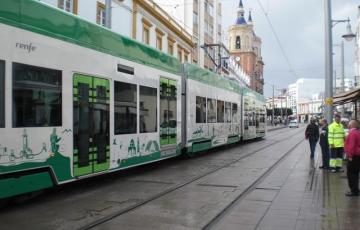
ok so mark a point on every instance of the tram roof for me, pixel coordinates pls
(52, 22)
(210, 78)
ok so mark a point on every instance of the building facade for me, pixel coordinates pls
(245, 47)
(303, 90)
(202, 19)
(143, 20)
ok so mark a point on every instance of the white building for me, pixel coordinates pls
(143, 20)
(202, 19)
(310, 107)
(278, 102)
(348, 85)
(302, 91)
(292, 91)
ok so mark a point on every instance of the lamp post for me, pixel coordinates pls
(329, 23)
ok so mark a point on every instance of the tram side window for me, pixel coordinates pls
(220, 111)
(200, 110)
(211, 110)
(2, 94)
(227, 112)
(234, 113)
(125, 103)
(37, 100)
(148, 109)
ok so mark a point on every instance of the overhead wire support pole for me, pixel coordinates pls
(328, 62)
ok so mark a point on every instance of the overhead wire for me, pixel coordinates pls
(291, 70)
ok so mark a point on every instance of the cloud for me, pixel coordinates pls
(300, 28)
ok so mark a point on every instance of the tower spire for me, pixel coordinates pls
(241, 4)
(240, 14)
(250, 18)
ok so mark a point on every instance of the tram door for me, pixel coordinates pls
(91, 97)
(168, 112)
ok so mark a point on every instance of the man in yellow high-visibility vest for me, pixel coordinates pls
(336, 137)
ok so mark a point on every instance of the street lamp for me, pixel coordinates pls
(329, 23)
(349, 34)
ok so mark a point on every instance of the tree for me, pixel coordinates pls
(277, 112)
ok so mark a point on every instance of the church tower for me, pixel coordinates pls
(245, 48)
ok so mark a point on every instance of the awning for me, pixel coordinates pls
(347, 97)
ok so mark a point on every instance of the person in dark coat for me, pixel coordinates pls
(312, 134)
(324, 144)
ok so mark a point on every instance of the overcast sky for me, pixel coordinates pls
(300, 28)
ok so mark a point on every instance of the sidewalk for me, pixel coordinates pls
(297, 195)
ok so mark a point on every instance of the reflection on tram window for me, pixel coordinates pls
(211, 110)
(262, 118)
(148, 109)
(37, 98)
(2, 94)
(220, 111)
(235, 113)
(200, 110)
(227, 112)
(125, 99)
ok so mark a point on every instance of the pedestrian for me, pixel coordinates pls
(324, 144)
(336, 138)
(312, 133)
(352, 150)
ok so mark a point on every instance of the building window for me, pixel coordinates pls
(2, 94)
(238, 43)
(186, 57)
(37, 100)
(125, 108)
(148, 109)
(100, 14)
(211, 110)
(146, 31)
(68, 5)
(180, 54)
(170, 46)
(220, 111)
(159, 37)
(195, 18)
(146, 36)
(200, 110)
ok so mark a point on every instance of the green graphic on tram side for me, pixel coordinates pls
(149, 151)
(132, 148)
(54, 140)
(25, 153)
(66, 131)
(152, 146)
(146, 148)
(54, 159)
(199, 132)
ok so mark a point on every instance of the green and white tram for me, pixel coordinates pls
(77, 100)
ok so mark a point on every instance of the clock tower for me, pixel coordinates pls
(245, 47)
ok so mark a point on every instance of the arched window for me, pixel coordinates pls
(238, 43)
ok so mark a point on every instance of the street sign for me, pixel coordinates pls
(328, 101)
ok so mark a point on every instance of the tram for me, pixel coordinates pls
(78, 100)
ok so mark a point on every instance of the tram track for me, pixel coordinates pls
(156, 196)
(223, 213)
